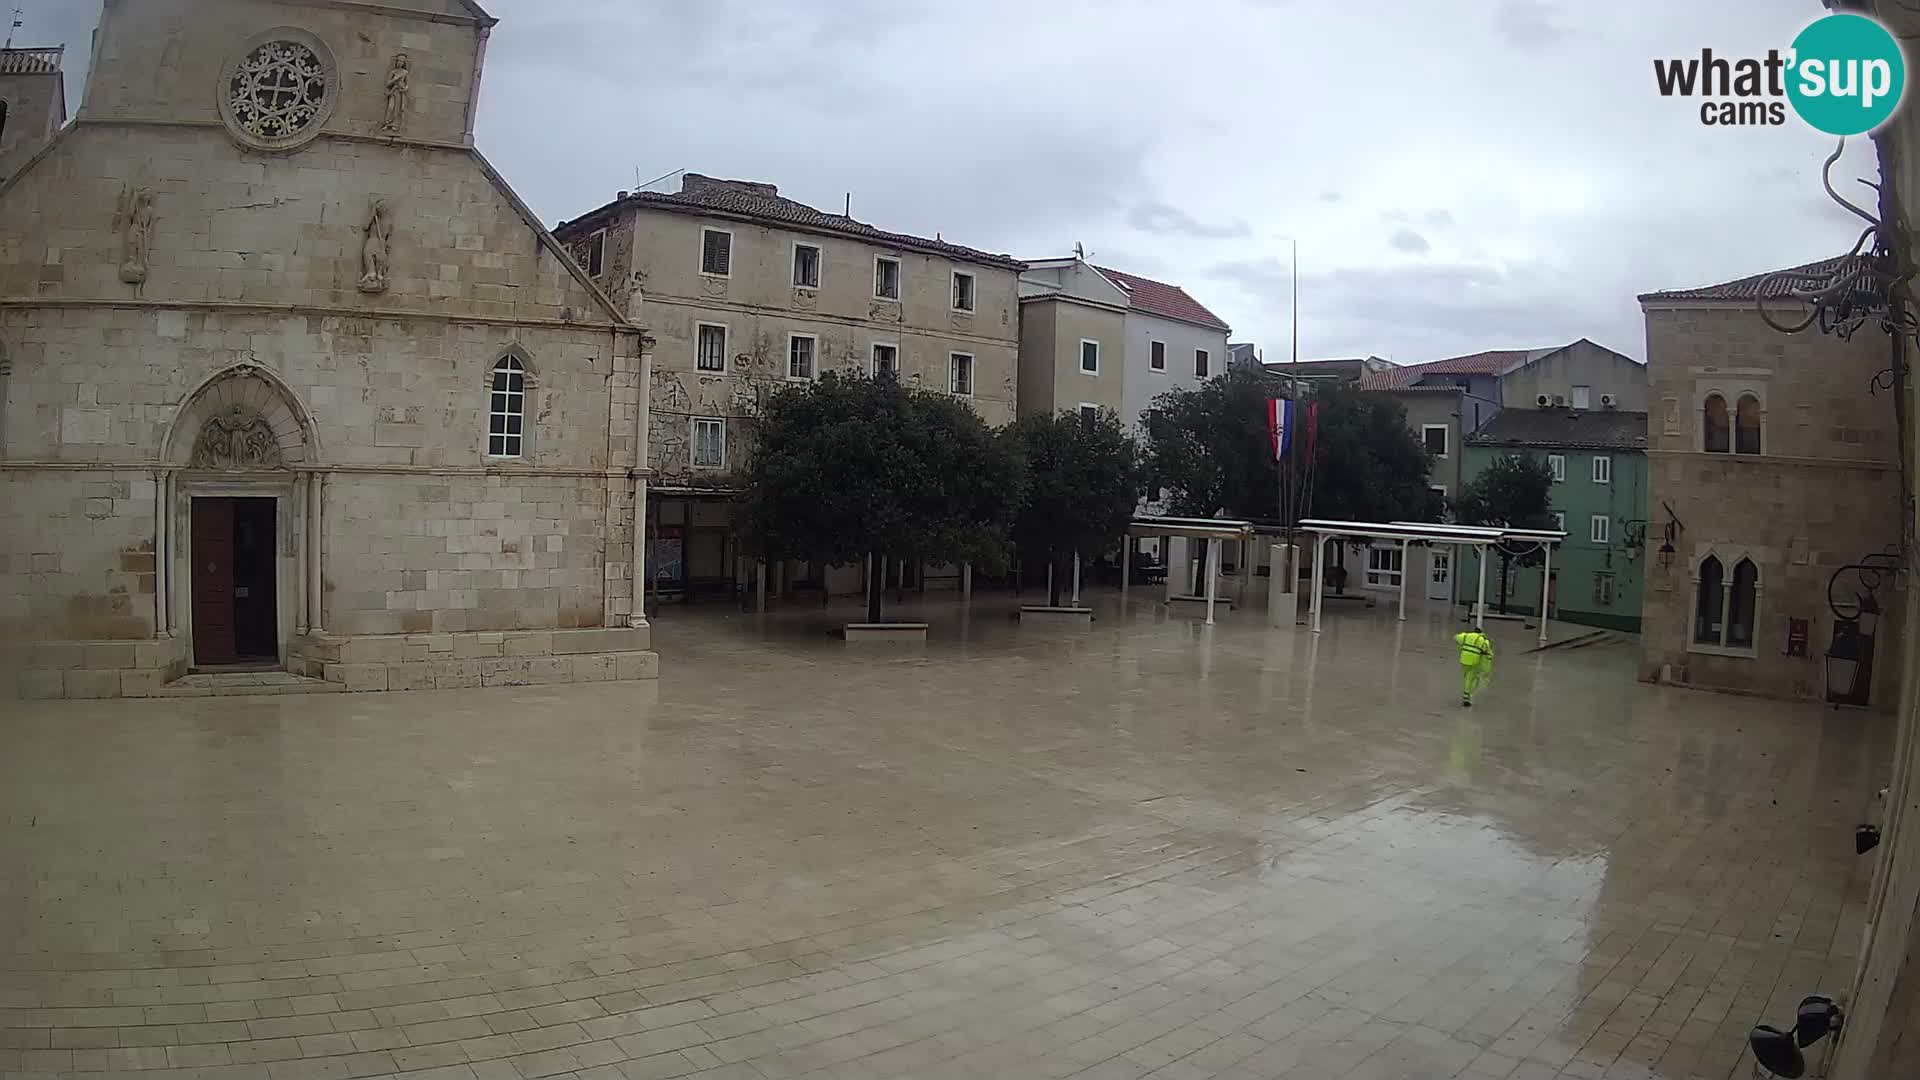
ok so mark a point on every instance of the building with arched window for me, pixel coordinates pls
(294, 380)
(1773, 466)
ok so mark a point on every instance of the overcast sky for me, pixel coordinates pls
(1466, 175)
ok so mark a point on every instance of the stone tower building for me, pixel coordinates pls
(290, 377)
(33, 103)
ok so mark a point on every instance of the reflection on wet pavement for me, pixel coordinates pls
(1151, 848)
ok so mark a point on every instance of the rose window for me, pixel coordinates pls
(278, 92)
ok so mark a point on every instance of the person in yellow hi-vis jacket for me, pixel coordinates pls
(1476, 663)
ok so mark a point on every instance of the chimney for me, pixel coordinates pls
(621, 197)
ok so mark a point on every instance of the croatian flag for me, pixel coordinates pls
(1280, 426)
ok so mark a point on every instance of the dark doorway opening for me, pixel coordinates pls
(235, 602)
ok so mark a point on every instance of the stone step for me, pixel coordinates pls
(245, 684)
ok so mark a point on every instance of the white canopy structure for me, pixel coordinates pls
(1193, 529)
(1408, 532)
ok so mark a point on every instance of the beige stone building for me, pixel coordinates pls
(33, 103)
(293, 379)
(746, 291)
(1772, 470)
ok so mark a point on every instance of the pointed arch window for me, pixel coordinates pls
(1726, 606)
(1708, 604)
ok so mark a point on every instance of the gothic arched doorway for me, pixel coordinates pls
(241, 517)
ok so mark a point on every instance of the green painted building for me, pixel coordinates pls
(1599, 459)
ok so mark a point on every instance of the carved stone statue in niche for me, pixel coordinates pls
(134, 222)
(376, 250)
(234, 440)
(399, 85)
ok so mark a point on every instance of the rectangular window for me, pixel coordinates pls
(716, 252)
(886, 278)
(806, 266)
(1200, 362)
(709, 443)
(1558, 463)
(1089, 412)
(1559, 521)
(960, 367)
(962, 291)
(1603, 589)
(800, 356)
(591, 253)
(710, 351)
(1600, 528)
(886, 360)
(1435, 436)
(1583, 397)
(1157, 360)
(1089, 357)
(1383, 566)
(1603, 470)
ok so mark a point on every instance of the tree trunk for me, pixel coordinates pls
(1340, 564)
(1053, 561)
(876, 584)
(1503, 583)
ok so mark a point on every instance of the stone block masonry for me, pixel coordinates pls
(444, 661)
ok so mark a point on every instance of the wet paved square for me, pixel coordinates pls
(1144, 849)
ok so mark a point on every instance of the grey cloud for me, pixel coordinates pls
(1143, 263)
(746, 103)
(1165, 219)
(1439, 219)
(1427, 310)
(1405, 239)
(1330, 196)
(1530, 24)
(1436, 218)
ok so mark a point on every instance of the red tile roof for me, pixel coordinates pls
(1777, 284)
(1160, 298)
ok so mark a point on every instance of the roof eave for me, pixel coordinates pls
(1218, 327)
(593, 218)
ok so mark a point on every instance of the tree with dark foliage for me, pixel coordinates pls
(1083, 482)
(1515, 492)
(1208, 448)
(849, 467)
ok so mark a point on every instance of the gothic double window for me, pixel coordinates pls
(1733, 430)
(1726, 607)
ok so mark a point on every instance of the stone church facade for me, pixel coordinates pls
(290, 377)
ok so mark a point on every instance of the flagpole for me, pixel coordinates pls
(1296, 301)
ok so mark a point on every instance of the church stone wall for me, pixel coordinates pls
(151, 254)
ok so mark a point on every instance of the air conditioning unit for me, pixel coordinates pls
(1560, 399)
(1543, 401)
(1608, 401)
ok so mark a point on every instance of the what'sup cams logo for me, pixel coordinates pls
(1844, 75)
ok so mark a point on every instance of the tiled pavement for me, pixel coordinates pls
(1147, 849)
